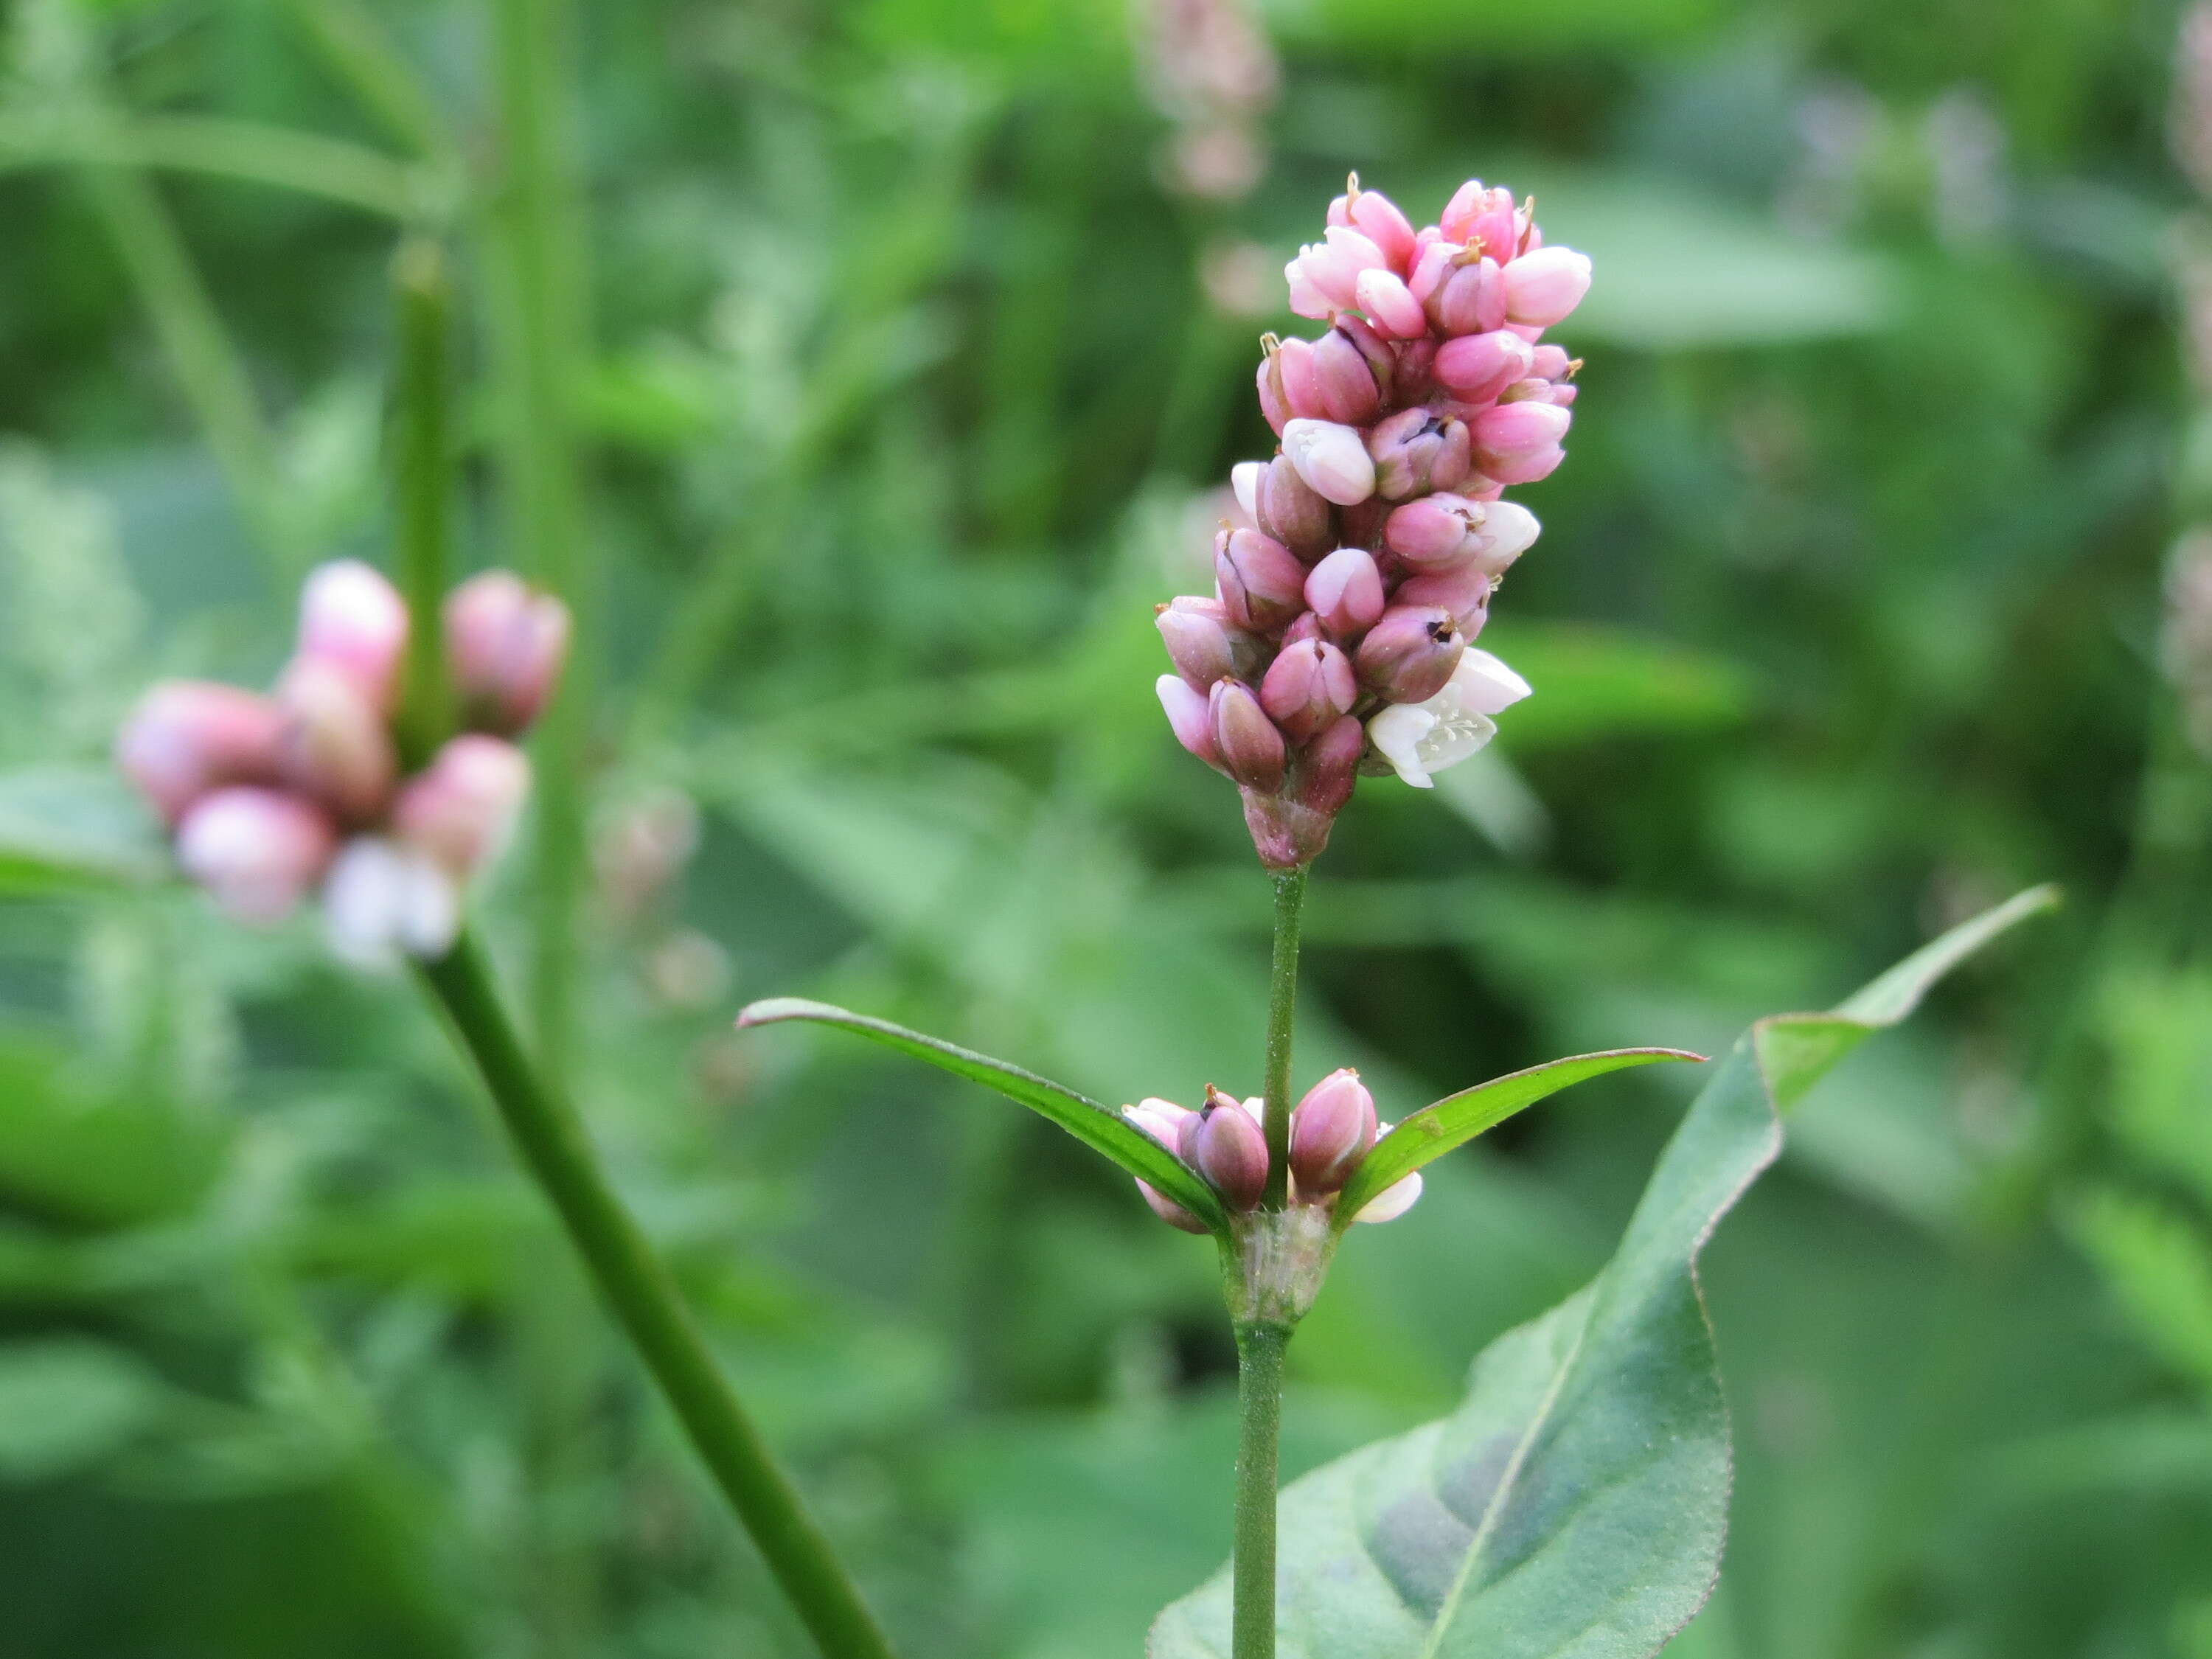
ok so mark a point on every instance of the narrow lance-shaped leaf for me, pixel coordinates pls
(1429, 1134)
(1574, 1506)
(1097, 1126)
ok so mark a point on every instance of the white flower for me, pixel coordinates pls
(382, 899)
(1420, 739)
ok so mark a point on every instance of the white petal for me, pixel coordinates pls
(1244, 480)
(1393, 1201)
(381, 900)
(1485, 684)
(1397, 733)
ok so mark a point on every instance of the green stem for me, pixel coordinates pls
(1259, 1349)
(638, 1287)
(354, 45)
(1282, 1010)
(422, 476)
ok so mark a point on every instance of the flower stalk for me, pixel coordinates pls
(1282, 1012)
(1261, 1346)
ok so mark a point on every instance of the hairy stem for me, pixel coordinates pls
(1282, 1009)
(551, 1140)
(1259, 1348)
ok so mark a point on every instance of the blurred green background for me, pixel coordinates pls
(859, 370)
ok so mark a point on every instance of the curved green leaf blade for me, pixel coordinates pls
(1575, 1505)
(1429, 1134)
(1097, 1126)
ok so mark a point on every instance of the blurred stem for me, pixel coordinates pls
(355, 48)
(1282, 1011)
(423, 479)
(287, 159)
(1259, 1349)
(550, 1140)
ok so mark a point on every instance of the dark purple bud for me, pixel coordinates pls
(1345, 590)
(1409, 655)
(1327, 768)
(1227, 1147)
(1331, 1130)
(1292, 511)
(1250, 746)
(1308, 685)
(1262, 584)
(1202, 642)
(1415, 451)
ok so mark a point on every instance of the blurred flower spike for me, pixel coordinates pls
(1360, 566)
(271, 799)
(1332, 1131)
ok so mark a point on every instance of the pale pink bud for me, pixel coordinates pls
(1262, 584)
(1485, 220)
(1465, 592)
(1163, 1120)
(1331, 1131)
(1543, 286)
(1202, 643)
(1305, 626)
(1551, 362)
(188, 737)
(257, 851)
(1171, 1211)
(352, 621)
(1189, 716)
(1463, 295)
(1351, 375)
(1289, 509)
(461, 811)
(1519, 443)
(1344, 590)
(505, 642)
(1376, 216)
(1295, 374)
(1272, 401)
(1437, 533)
(1409, 655)
(1331, 267)
(1229, 1149)
(1250, 745)
(1244, 485)
(1393, 1201)
(1415, 451)
(1477, 367)
(1327, 769)
(1307, 686)
(1395, 312)
(335, 744)
(1331, 458)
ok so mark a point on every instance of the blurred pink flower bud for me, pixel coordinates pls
(505, 642)
(1307, 687)
(1389, 307)
(353, 622)
(1331, 458)
(1262, 583)
(1409, 655)
(460, 811)
(1190, 717)
(1227, 1147)
(1289, 509)
(383, 901)
(1543, 286)
(335, 746)
(1477, 367)
(1352, 373)
(1202, 642)
(1344, 590)
(1331, 1130)
(188, 737)
(1519, 443)
(1393, 1201)
(1376, 216)
(1415, 451)
(256, 851)
(1250, 745)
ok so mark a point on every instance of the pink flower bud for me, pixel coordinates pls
(1389, 307)
(1477, 367)
(1465, 592)
(1393, 1201)
(1330, 267)
(1249, 745)
(1332, 457)
(1461, 293)
(1262, 584)
(1551, 362)
(460, 811)
(354, 622)
(1296, 375)
(1352, 373)
(1190, 717)
(1409, 655)
(1202, 643)
(1306, 300)
(1245, 485)
(1163, 1120)
(505, 642)
(1331, 1130)
(188, 737)
(1519, 443)
(1272, 404)
(1376, 216)
(1435, 533)
(1171, 1211)
(1308, 685)
(1543, 286)
(1415, 451)
(1229, 1149)
(335, 746)
(1289, 509)
(1344, 590)
(1484, 220)
(1305, 626)
(255, 850)
(1327, 769)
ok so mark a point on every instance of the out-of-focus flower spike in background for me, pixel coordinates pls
(913, 341)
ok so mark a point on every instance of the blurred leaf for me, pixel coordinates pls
(1594, 682)
(1383, 25)
(2159, 1264)
(79, 1157)
(63, 830)
(67, 1402)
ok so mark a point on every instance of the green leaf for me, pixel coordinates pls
(1429, 1134)
(66, 830)
(1577, 1502)
(1097, 1126)
(66, 1402)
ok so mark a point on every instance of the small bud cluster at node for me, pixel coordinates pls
(1332, 1131)
(269, 798)
(1363, 554)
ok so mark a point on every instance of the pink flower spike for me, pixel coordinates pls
(335, 744)
(1541, 289)
(1344, 590)
(460, 812)
(1519, 443)
(1331, 458)
(353, 621)
(187, 737)
(1189, 717)
(256, 851)
(1477, 367)
(1249, 743)
(1382, 295)
(1307, 687)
